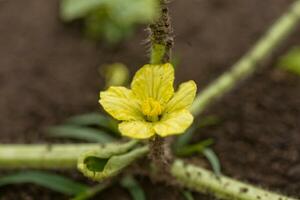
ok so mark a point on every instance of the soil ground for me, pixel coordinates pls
(48, 72)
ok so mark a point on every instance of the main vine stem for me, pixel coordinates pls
(249, 62)
(64, 156)
(161, 40)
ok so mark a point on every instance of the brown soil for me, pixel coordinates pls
(49, 72)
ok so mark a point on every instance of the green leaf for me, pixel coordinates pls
(95, 164)
(291, 61)
(123, 11)
(187, 195)
(49, 180)
(74, 9)
(134, 188)
(208, 121)
(194, 148)
(94, 119)
(185, 138)
(104, 163)
(79, 133)
(213, 160)
(112, 20)
(89, 193)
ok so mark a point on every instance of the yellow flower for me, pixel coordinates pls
(151, 106)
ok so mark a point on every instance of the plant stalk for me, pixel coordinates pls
(202, 180)
(161, 37)
(42, 156)
(161, 40)
(249, 62)
(65, 156)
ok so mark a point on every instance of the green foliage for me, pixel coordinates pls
(112, 20)
(133, 187)
(207, 121)
(182, 146)
(80, 133)
(104, 163)
(49, 180)
(187, 195)
(87, 127)
(213, 160)
(92, 191)
(186, 138)
(94, 119)
(188, 150)
(95, 164)
(291, 61)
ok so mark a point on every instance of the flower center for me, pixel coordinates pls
(151, 109)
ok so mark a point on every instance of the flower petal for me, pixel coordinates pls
(120, 103)
(183, 98)
(137, 129)
(174, 123)
(154, 81)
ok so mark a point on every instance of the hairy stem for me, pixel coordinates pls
(65, 156)
(160, 153)
(161, 43)
(161, 36)
(248, 63)
(202, 180)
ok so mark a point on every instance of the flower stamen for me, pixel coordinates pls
(151, 109)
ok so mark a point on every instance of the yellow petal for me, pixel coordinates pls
(174, 123)
(154, 81)
(183, 98)
(120, 103)
(137, 129)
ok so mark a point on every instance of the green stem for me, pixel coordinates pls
(65, 156)
(202, 180)
(157, 53)
(161, 36)
(248, 63)
(161, 47)
(56, 156)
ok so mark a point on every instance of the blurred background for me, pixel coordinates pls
(49, 71)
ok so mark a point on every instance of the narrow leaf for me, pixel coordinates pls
(187, 195)
(49, 180)
(186, 138)
(213, 160)
(94, 119)
(207, 121)
(80, 133)
(194, 148)
(134, 188)
(89, 193)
